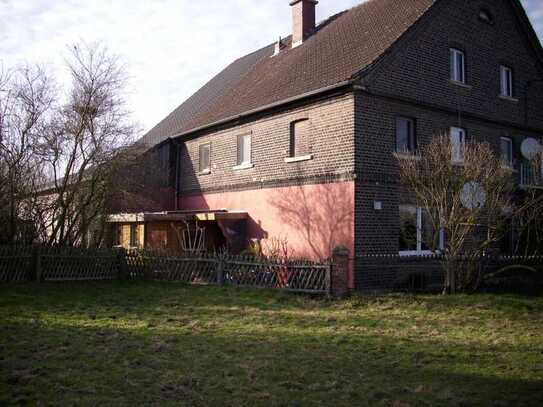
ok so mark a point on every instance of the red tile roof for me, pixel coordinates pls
(340, 48)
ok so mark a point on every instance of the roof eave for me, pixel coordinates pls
(262, 109)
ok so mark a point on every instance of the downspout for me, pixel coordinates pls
(177, 171)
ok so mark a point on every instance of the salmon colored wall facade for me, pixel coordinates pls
(312, 218)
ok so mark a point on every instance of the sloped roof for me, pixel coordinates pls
(341, 47)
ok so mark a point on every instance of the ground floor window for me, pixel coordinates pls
(417, 235)
(134, 238)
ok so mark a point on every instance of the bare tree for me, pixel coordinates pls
(81, 143)
(464, 201)
(26, 100)
(529, 215)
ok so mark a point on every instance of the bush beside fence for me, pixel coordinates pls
(425, 273)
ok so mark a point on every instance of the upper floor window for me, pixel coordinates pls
(299, 146)
(458, 140)
(204, 155)
(244, 150)
(506, 149)
(406, 138)
(506, 81)
(458, 65)
(486, 16)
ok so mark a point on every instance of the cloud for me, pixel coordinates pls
(172, 47)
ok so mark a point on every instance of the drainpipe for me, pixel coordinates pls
(177, 171)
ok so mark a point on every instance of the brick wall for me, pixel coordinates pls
(331, 142)
(419, 70)
(414, 82)
(377, 232)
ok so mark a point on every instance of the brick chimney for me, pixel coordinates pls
(303, 20)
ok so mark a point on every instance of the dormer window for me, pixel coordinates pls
(485, 16)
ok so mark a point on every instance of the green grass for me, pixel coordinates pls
(169, 344)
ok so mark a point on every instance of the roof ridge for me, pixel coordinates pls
(340, 47)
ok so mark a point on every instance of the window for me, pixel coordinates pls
(506, 151)
(486, 16)
(458, 140)
(299, 139)
(416, 233)
(244, 149)
(458, 65)
(506, 81)
(205, 158)
(406, 140)
(117, 235)
(134, 236)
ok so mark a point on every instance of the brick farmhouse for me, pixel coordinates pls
(297, 141)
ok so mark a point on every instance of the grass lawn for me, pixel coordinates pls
(169, 344)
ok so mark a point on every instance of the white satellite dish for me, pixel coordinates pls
(473, 196)
(530, 148)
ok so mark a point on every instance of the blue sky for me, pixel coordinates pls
(171, 47)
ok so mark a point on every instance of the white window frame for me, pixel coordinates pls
(207, 169)
(419, 251)
(509, 162)
(455, 75)
(245, 159)
(506, 81)
(456, 152)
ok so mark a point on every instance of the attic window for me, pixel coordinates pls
(485, 16)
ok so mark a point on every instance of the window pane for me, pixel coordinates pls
(452, 64)
(457, 64)
(133, 235)
(460, 67)
(405, 135)
(408, 228)
(205, 157)
(402, 135)
(246, 149)
(507, 151)
(458, 137)
(429, 238)
(506, 80)
(299, 138)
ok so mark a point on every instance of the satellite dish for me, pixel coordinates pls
(531, 148)
(473, 196)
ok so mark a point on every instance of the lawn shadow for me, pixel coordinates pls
(166, 343)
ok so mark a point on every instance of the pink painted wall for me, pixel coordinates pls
(312, 218)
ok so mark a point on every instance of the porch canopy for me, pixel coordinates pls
(162, 229)
(178, 216)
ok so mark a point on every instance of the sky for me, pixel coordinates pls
(170, 47)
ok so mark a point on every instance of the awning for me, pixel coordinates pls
(178, 216)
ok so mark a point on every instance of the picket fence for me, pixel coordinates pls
(18, 264)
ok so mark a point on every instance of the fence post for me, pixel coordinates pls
(220, 271)
(339, 273)
(121, 264)
(37, 265)
(329, 268)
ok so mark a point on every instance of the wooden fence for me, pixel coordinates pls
(292, 275)
(19, 264)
